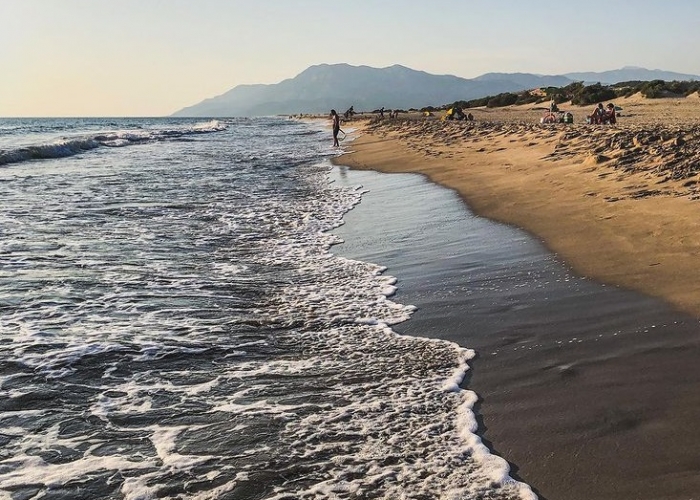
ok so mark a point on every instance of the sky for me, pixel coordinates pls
(154, 57)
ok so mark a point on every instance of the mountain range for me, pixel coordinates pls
(322, 87)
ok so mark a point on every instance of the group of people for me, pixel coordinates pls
(455, 113)
(603, 115)
(393, 113)
(335, 120)
(557, 117)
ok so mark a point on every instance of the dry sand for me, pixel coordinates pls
(617, 203)
(617, 419)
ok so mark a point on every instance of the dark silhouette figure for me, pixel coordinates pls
(336, 127)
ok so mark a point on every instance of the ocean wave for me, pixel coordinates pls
(58, 149)
(67, 147)
(159, 339)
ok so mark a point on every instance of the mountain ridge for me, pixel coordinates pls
(321, 87)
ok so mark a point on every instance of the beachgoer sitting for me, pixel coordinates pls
(610, 116)
(598, 115)
(455, 114)
(549, 117)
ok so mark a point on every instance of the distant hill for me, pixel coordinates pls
(525, 81)
(325, 86)
(630, 74)
(322, 87)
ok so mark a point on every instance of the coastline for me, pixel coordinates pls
(615, 414)
(630, 229)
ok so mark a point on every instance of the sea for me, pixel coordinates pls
(175, 323)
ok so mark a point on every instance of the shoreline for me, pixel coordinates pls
(634, 228)
(615, 413)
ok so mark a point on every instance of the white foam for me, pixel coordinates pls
(33, 470)
(318, 360)
(58, 363)
(210, 126)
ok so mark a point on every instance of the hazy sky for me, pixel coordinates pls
(153, 57)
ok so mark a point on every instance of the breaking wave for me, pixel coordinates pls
(70, 146)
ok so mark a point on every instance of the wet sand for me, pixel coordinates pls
(588, 389)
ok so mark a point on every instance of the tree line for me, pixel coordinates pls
(580, 94)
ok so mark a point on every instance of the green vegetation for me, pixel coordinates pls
(497, 101)
(581, 94)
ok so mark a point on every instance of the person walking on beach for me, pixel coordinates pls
(336, 127)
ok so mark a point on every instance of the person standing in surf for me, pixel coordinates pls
(336, 127)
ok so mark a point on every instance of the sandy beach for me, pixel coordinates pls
(618, 203)
(616, 417)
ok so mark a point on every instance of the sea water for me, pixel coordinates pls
(174, 324)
